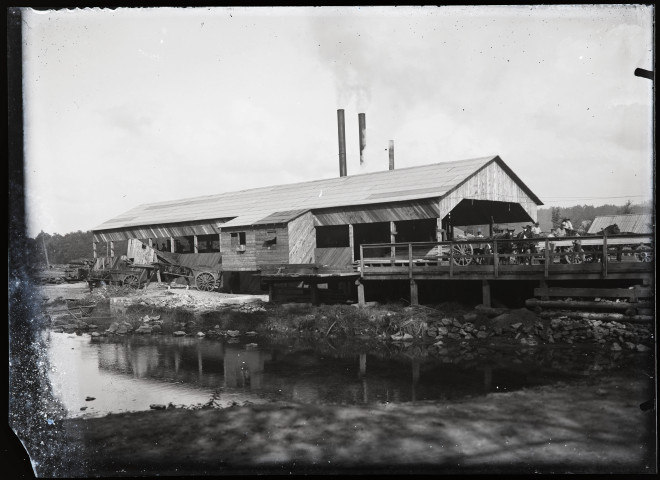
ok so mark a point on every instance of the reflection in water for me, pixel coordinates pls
(130, 373)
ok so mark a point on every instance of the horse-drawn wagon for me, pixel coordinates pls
(143, 264)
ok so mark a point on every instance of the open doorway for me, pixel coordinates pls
(371, 233)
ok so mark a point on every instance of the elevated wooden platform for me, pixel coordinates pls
(541, 259)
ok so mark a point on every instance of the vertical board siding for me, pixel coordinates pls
(277, 253)
(141, 253)
(302, 239)
(382, 212)
(490, 183)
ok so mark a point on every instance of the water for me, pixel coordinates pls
(131, 373)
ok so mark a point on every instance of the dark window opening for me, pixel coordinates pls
(416, 230)
(334, 236)
(271, 239)
(184, 244)
(238, 240)
(208, 243)
(371, 233)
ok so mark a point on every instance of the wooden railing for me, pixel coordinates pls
(493, 255)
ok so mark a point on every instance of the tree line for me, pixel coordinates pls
(583, 215)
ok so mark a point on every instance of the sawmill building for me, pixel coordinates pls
(324, 222)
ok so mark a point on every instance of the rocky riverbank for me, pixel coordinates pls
(204, 314)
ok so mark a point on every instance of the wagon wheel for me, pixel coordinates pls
(578, 257)
(205, 281)
(643, 254)
(131, 281)
(459, 252)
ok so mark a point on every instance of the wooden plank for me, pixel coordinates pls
(593, 292)
(360, 289)
(546, 263)
(485, 292)
(351, 243)
(605, 257)
(410, 264)
(533, 302)
(414, 294)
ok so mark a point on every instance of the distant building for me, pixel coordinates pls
(631, 223)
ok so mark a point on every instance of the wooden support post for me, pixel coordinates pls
(604, 262)
(172, 249)
(360, 289)
(351, 243)
(94, 250)
(548, 258)
(363, 364)
(220, 242)
(150, 242)
(451, 259)
(392, 240)
(195, 244)
(361, 261)
(314, 292)
(158, 275)
(485, 290)
(112, 249)
(271, 293)
(414, 296)
(496, 259)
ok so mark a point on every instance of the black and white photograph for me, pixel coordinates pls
(380, 240)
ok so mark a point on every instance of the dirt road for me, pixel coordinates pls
(578, 428)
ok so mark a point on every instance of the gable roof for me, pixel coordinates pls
(257, 205)
(631, 223)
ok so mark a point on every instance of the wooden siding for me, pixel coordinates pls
(302, 239)
(277, 253)
(383, 212)
(238, 261)
(255, 253)
(183, 229)
(333, 256)
(489, 183)
(141, 253)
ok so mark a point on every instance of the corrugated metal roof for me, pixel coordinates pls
(631, 223)
(250, 206)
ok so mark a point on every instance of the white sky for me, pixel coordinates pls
(132, 106)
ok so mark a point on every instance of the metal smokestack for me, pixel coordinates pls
(391, 154)
(362, 125)
(341, 130)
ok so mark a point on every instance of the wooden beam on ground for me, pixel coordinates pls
(630, 293)
(603, 316)
(533, 302)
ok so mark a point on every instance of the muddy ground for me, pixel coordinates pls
(603, 422)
